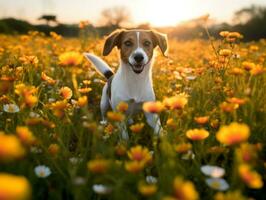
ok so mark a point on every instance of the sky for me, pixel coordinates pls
(156, 12)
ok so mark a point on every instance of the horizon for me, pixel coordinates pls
(147, 11)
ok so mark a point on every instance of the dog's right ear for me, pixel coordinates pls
(111, 41)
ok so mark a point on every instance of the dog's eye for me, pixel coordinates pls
(147, 43)
(128, 43)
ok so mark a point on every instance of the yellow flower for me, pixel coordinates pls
(224, 33)
(183, 147)
(48, 79)
(246, 153)
(236, 100)
(115, 116)
(137, 128)
(232, 195)
(225, 52)
(202, 120)
(147, 189)
(122, 107)
(98, 166)
(134, 166)
(258, 69)
(250, 177)
(171, 123)
(84, 90)
(10, 147)
(236, 71)
(228, 107)
(232, 134)
(184, 190)
(29, 60)
(248, 65)
(70, 58)
(140, 153)
(82, 101)
(109, 129)
(14, 187)
(65, 92)
(175, 102)
(25, 135)
(153, 107)
(197, 134)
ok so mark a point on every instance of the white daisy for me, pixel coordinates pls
(101, 189)
(11, 108)
(42, 171)
(212, 171)
(151, 179)
(217, 184)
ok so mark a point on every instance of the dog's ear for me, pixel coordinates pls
(111, 41)
(160, 40)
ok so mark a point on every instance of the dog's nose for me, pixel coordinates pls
(138, 57)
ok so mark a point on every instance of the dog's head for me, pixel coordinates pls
(136, 46)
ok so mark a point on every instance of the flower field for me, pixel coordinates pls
(211, 99)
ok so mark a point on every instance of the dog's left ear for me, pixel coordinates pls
(160, 40)
(111, 41)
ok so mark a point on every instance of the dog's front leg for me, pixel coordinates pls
(154, 121)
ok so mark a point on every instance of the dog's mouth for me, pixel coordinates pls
(137, 68)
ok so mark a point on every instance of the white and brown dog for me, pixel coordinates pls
(132, 83)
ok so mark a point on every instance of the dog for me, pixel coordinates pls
(132, 83)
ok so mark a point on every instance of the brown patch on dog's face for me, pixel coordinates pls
(136, 46)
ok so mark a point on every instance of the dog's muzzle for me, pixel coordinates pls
(138, 63)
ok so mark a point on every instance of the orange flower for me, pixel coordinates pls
(137, 128)
(98, 166)
(122, 107)
(175, 102)
(197, 134)
(82, 101)
(228, 107)
(109, 129)
(184, 190)
(139, 153)
(183, 147)
(153, 107)
(258, 69)
(10, 148)
(248, 65)
(233, 134)
(134, 166)
(120, 150)
(70, 58)
(225, 52)
(250, 177)
(84, 90)
(224, 33)
(171, 123)
(147, 189)
(48, 79)
(65, 92)
(53, 149)
(236, 71)
(246, 153)
(25, 135)
(202, 120)
(236, 100)
(115, 116)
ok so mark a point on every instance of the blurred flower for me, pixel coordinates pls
(55, 36)
(82, 101)
(101, 189)
(202, 120)
(183, 147)
(246, 153)
(65, 92)
(137, 128)
(29, 60)
(248, 65)
(10, 148)
(232, 195)
(176, 102)
(217, 184)
(153, 107)
(236, 100)
(224, 33)
(120, 150)
(236, 71)
(225, 52)
(147, 189)
(98, 165)
(228, 107)
(70, 58)
(189, 155)
(139, 153)
(122, 107)
(258, 69)
(115, 116)
(83, 24)
(42, 171)
(197, 134)
(14, 187)
(134, 166)
(184, 190)
(79, 180)
(232, 134)
(25, 135)
(213, 171)
(251, 178)
(11, 108)
(84, 90)
(171, 123)
(48, 79)
(151, 179)
(53, 149)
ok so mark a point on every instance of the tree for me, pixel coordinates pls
(115, 16)
(48, 18)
